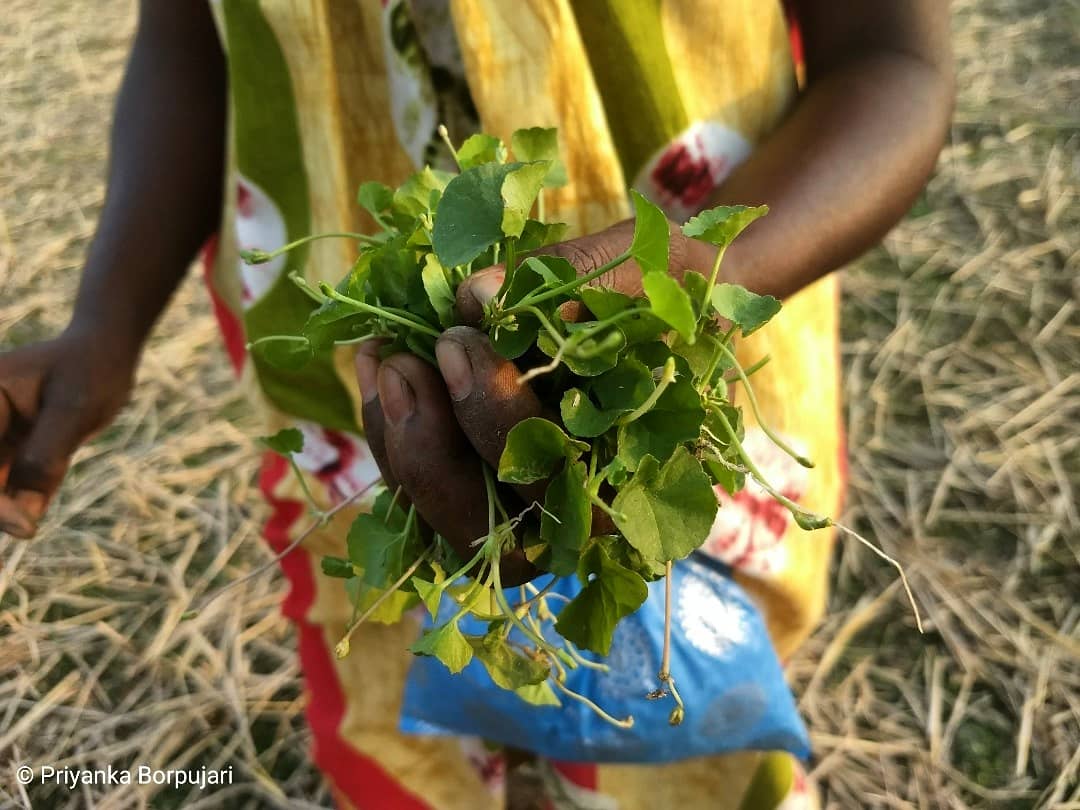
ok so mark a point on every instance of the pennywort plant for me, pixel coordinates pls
(646, 430)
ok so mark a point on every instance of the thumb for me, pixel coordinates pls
(43, 457)
(586, 254)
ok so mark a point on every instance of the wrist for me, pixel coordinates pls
(97, 328)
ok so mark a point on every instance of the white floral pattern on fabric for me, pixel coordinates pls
(713, 625)
(413, 105)
(736, 710)
(681, 176)
(341, 461)
(259, 224)
(749, 529)
(489, 764)
(801, 796)
(632, 664)
(562, 794)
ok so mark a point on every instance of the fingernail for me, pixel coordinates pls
(32, 504)
(485, 286)
(455, 367)
(22, 532)
(395, 394)
(15, 524)
(367, 374)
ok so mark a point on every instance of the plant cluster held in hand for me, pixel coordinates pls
(645, 426)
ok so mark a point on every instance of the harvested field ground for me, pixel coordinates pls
(962, 378)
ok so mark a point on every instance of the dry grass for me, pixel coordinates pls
(962, 358)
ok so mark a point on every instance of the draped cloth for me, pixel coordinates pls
(666, 96)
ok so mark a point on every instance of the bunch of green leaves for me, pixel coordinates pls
(646, 432)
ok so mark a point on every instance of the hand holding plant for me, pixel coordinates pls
(535, 406)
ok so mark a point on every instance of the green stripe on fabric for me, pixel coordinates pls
(625, 43)
(270, 154)
(772, 782)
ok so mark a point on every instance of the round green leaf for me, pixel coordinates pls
(667, 512)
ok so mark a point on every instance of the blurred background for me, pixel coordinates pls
(962, 381)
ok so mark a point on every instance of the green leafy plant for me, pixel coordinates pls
(648, 426)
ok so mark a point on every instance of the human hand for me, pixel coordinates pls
(54, 395)
(432, 430)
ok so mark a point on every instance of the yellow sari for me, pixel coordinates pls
(663, 95)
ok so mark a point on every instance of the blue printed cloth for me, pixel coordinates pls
(721, 658)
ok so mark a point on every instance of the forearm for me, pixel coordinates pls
(839, 172)
(165, 179)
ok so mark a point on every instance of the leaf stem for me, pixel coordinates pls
(752, 399)
(627, 723)
(585, 662)
(275, 339)
(393, 503)
(573, 285)
(816, 521)
(891, 561)
(712, 281)
(302, 283)
(419, 326)
(665, 659)
(511, 614)
(755, 473)
(341, 649)
(598, 502)
(538, 594)
(714, 361)
(666, 379)
(256, 256)
(319, 513)
(500, 595)
(285, 552)
(757, 366)
(560, 341)
(444, 133)
(547, 368)
(467, 567)
(510, 262)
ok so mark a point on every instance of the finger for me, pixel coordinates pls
(434, 461)
(5, 414)
(38, 467)
(7, 440)
(476, 290)
(586, 254)
(14, 521)
(367, 364)
(19, 396)
(487, 399)
(42, 459)
(14, 516)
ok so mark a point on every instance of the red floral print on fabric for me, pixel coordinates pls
(359, 778)
(572, 786)
(688, 174)
(800, 797)
(340, 461)
(244, 205)
(749, 529)
(232, 329)
(681, 176)
(259, 225)
(489, 763)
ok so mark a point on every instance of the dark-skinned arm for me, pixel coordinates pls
(164, 199)
(838, 173)
(850, 160)
(166, 171)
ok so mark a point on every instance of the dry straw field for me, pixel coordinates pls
(962, 377)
